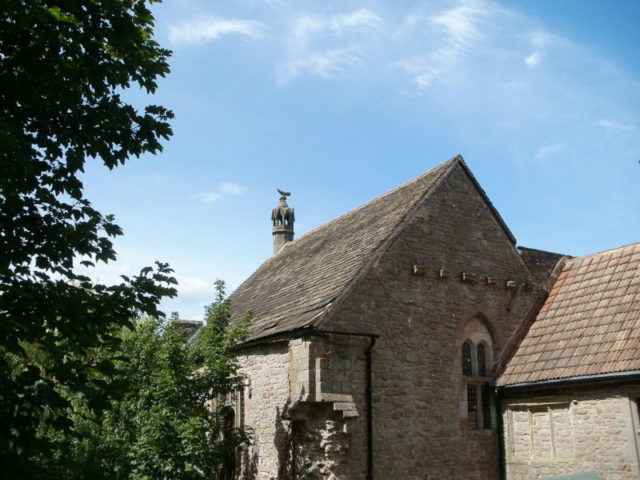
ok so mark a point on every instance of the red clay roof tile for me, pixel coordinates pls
(589, 325)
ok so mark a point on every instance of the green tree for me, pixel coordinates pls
(170, 425)
(63, 66)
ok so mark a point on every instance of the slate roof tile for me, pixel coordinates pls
(294, 288)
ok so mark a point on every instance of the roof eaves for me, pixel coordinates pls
(598, 377)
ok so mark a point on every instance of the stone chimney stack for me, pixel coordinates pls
(282, 219)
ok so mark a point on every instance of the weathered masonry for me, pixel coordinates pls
(376, 341)
(571, 391)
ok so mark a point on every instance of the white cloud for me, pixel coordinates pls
(540, 41)
(204, 30)
(208, 197)
(224, 189)
(611, 125)
(359, 18)
(422, 69)
(308, 25)
(327, 46)
(548, 150)
(534, 59)
(231, 188)
(195, 289)
(461, 24)
(451, 33)
(325, 64)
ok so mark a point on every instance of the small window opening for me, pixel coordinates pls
(467, 368)
(486, 407)
(482, 361)
(472, 407)
(475, 356)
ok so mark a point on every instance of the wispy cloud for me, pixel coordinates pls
(195, 289)
(327, 46)
(224, 189)
(548, 150)
(539, 42)
(611, 125)
(461, 24)
(362, 18)
(229, 188)
(534, 59)
(204, 30)
(456, 31)
(325, 64)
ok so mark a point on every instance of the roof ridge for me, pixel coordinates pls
(451, 161)
(457, 159)
(490, 204)
(301, 285)
(601, 252)
(522, 247)
(443, 169)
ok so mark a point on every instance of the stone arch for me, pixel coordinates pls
(476, 339)
(495, 337)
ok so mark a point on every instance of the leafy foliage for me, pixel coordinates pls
(63, 65)
(169, 425)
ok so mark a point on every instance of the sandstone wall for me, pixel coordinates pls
(420, 424)
(327, 425)
(573, 431)
(306, 400)
(267, 372)
(299, 407)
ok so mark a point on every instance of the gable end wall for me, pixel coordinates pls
(419, 425)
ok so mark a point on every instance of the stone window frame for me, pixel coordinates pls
(232, 405)
(478, 404)
(234, 400)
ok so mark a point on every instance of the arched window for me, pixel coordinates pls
(476, 358)
(482, 361)
(467, 368)
(231, 417)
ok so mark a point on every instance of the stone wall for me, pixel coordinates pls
(321, 442)
(305, 403)
(266, 395)
(573, 430)
(299, 407)
(328, 435)
(420, 424)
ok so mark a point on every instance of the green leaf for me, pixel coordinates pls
(60, 16)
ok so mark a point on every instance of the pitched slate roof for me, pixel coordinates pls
(540, 262)
(297, 286)
(190, 327)
(589, 324)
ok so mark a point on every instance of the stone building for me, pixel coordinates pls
(377, 337)
(570, 393)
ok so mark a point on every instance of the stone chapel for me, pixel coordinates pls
(411, 338)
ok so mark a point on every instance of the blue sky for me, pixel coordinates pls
(339, 102)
